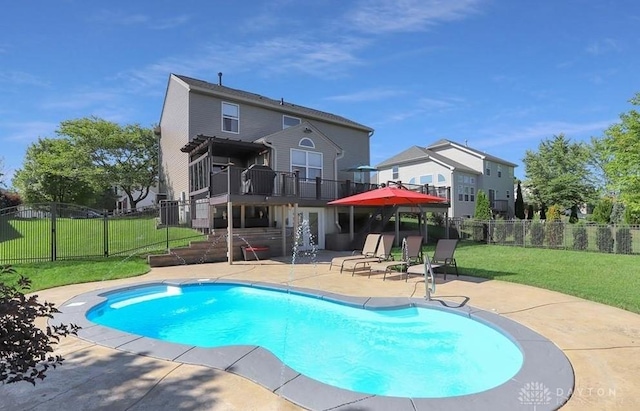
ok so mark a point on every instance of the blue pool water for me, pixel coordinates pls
(409, 352)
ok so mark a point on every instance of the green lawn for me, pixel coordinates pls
(607, 278)
(91, 237)
(611, 279)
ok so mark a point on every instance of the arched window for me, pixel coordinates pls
(306, 142)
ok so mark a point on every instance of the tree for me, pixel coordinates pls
(126, 157)
(519, 205)
(25, 350)
(559, 173)
(619, 153)
(2, 183)
(54, 170)
(483, 210)
(530, 212)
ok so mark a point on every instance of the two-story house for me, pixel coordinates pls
(466, 170)
(255, 161)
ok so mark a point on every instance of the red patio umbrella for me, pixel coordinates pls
(387, 196)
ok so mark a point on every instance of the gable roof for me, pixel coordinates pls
(305, 125)
(444, 143)
(277, 105)
(415, 153)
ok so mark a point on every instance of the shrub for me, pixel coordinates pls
(580, 238)
(604, 239)
(483, 208)
(25, 349)
(624, 241)
(617, 213)
(501, 231)
(479, 231)
(519, 231)
(537, 233)
(602, 211)
(555, 227)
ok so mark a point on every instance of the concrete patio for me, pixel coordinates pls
(601, 342)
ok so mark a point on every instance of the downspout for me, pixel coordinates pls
(335, 209)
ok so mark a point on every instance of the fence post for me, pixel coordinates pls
(105, 219)
(53, 232)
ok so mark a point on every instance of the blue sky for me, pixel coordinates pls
(500, 74)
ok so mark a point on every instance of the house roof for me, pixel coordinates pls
(415, 153)
(444, 143)
(279, 105)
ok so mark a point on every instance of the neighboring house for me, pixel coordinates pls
(123, 205)
(464, 169)
(222, 147)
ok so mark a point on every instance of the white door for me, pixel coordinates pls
(311, 228)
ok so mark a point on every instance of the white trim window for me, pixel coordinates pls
(230, 117)
(395, 173)
(306, 142)
(487, 170)
(308, 164)
(499, 171)
(288, 121)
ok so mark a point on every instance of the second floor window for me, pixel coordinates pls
(499, 170)
(395, 173)
(288, 121)
(230, 117)
(308, 164)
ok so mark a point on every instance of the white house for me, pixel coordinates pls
(465, 170)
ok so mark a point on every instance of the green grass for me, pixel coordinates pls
(55, 274)
(31, 238)
(606, 278)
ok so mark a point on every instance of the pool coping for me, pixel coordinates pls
(544, 381)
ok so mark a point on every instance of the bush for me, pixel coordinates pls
(617, 213)
(519, 231)
(501, 232)
(537, 234)
(580, 238)
(604, 239)
(480, 231)
(624, 241)
(555, 227)
(602, 211)
(25, 350)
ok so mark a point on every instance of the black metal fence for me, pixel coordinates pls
(619, 239)
(58, 231)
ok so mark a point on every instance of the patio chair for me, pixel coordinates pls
(411, 254)
(369, 249)
(383, 253)
(442, 257)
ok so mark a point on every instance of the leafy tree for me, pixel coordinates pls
(617, 213)
(602, 211)
(126, 157)
(519, 205)
(618, 152)
(25, 350)
(54, 170)
(559, 173)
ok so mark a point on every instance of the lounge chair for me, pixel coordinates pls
(383, 253)
(369, 249)
(411, 254)
(442, 257)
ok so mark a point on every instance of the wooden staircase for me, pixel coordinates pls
(214, 248)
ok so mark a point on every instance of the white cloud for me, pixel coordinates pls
(383, 16)
(367, 95)
(122, 18)
(603, 46)
(22, 78)
(539, 131)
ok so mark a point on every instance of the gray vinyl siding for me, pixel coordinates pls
(188, 113)
(354, 143)
(290, 138)
(174, 128)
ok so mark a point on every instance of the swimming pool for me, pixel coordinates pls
(403, 352)
(543, 364)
